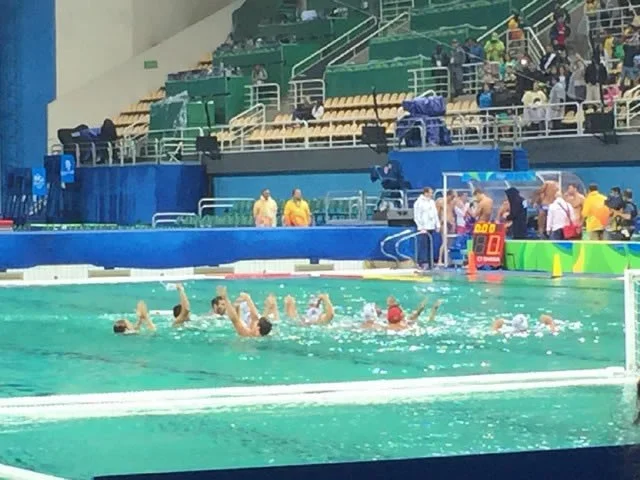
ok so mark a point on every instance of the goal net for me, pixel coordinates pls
(631, 302)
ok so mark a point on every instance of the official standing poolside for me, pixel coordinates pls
(296, 211)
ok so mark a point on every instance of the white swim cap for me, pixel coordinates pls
(369, 311)
(520, 323)
(312, 314)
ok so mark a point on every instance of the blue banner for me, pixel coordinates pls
(527, 176)
(39, 182)
(67, 169)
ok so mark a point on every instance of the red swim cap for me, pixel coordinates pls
(395, 314)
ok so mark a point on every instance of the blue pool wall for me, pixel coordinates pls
(191, 248)
(597, 463)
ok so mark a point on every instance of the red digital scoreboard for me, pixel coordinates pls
(488, 244)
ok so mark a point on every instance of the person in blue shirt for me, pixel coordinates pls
(475, 50)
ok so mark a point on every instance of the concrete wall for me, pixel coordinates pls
(94, 37)
(106, 95)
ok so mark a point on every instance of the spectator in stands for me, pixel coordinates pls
(484, 99)
(557, 96)
(456, 64)
(629, 68)
(595, 75)
(591, 11)
(577, 88)
(608, 47)
(514, 31)
(507, 61)
(476, 52)
(440, 58)
(548, 60)
(490, 73)
(296, 211)
(561, 13)
(259, 75)
(265, 210)
(494, 48)
(559, 34)
(318, 110)
(534, 102)
(425, 216)
(595, 213)
(304, 112)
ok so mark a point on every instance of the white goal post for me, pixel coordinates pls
(631, 292)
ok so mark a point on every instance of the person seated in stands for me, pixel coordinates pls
(181, 311)
(484, 99)
(319, 312)
(265, 210)
(259, 75)
(296, 211)
(318, 110)
(484, 206)
(257, 327)
(125, 327)
(303, 112)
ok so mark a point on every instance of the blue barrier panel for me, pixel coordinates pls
(611, 463)
(191, 247)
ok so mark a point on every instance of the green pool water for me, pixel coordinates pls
(58, 339)
(257, 436)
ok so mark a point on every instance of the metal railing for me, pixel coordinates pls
(416, 248)
(216, 203)
(348, 206)
(547, 21)
(613, 20)
(390, 9)
(266, 94)
(331, 48)
(439, 80)
(401, 21)
(467, 125)
(169, 218)
(302, 90)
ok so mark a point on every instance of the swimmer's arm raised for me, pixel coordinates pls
(434, 310)
(414, 316)
(240, 327)
(329, 312)
(253, 311)
(184, 303)
(143, 317)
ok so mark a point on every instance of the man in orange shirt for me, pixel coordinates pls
(296, 211)
(265, 210)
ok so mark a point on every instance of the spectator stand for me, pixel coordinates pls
(616, 21)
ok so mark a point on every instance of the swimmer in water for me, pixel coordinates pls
(257, 327)
(520, 324)
(125, 327)
(269, 312)
(181, 311)
(396, 319)
(319, 310)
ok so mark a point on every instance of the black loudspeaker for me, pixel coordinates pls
(400, 218)
(376, 137)
(506, 160)
(208, 146)
(599, 122)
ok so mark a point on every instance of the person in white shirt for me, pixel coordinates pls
(425, 216)
(560, 215)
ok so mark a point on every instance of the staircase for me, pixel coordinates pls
(390, 9)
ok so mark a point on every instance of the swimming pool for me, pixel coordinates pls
(58, 340)
(296, 434)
